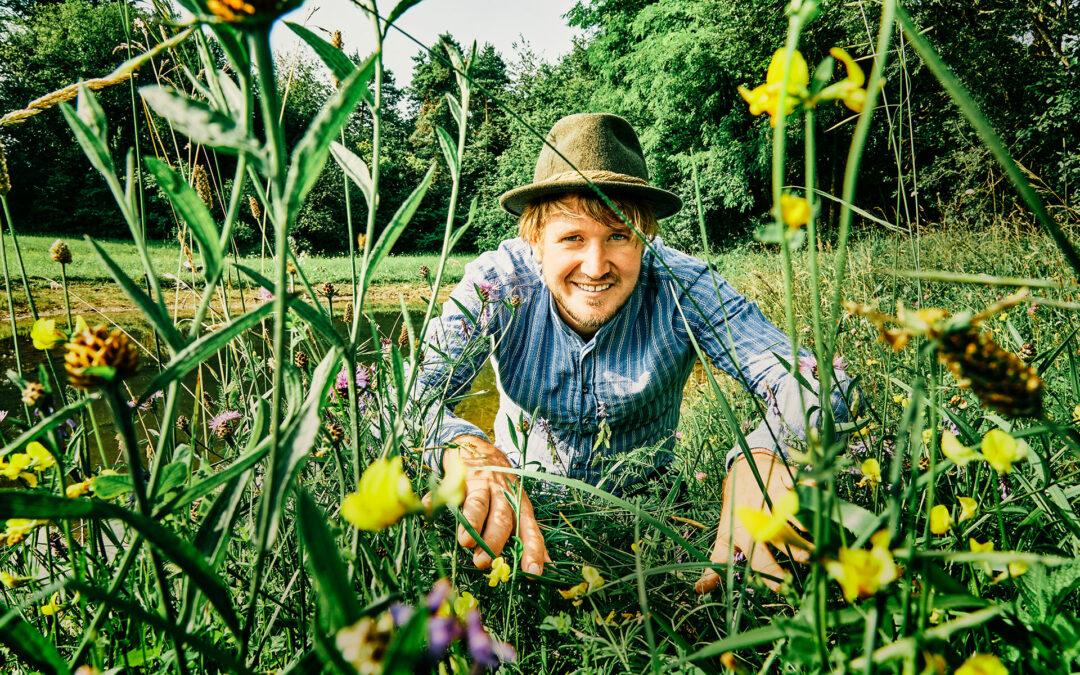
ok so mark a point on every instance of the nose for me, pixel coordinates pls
(594, 261)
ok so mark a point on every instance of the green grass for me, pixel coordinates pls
(86, 267)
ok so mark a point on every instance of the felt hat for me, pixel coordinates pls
(600, 147)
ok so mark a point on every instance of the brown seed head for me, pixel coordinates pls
(336, 432)
(424, 273)
(202, 185)
(32, 393)
(99, 347)
(250, 12)
(349, 312)
(183, 423)
(328, 290)
(403, 338)
(300, 359)
(5, 177)
(335, 40)
(60, 252)
(998, 377)
(253, 204)
(361, 239)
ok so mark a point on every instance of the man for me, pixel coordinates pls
(590, 332)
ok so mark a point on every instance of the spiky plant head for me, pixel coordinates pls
(91, 354)
(250, 12)
(60, 252)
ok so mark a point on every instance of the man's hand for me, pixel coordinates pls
(742, 489)
(489, 511)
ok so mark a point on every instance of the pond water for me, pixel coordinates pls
(480, 407)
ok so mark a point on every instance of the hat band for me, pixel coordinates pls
(596, 176)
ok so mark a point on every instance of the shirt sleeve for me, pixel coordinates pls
(455, 347)
(742, 342)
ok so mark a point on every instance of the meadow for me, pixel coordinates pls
(271, 520)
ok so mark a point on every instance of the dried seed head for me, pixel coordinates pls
(98, 347)
(335, 40)
(290, 268)
(403, 337)
(424, 273)
(361, 239)
(202, 185)
(60, 252)
(300, 359)
(32, 393)
(328, 290)
(1027, 352)
(999, 378)
(336, 432)
(349, 312)
(253, 204)
(250, 12)
(5, 177)
(183, 423)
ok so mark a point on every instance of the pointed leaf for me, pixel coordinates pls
(355, 168)
(198, 121)
(313, 315)
(338, 606)
(397, 225)
(335, 59)
(449, 151)
(29, 644)
(192, 210)
(399, 9)
(455, 108)
(92, 145)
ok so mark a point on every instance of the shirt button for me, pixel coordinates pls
(585, 389)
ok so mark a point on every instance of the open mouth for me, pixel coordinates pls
(592, 288)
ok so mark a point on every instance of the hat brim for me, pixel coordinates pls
(664, 203)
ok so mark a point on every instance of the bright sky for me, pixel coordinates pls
(500, 22)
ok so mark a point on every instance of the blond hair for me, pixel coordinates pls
(576, 204)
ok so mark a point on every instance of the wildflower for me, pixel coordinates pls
(592, 577)
(40, 457)
(201, 183)
(850, 89)
(464, 603)
(954, 450)
(183, 423)
(328, 290)
(336, 432)
(15, 465)
(224, 424)
(60, 252)
(982, 664)
(604, 620)
(424, 273)
(968, 508)
(794, 211)
(44, 334)
(500, 572)
(575, 592)
(940, 519)
(1000, 379)
(486, 651)
(441, 632)
(32, 393)
(863, 573)
(700, 476)
(364, 643)
(18, 528)
(1076, 414)
(772, 527)
(300, 359)
(94, 349)
(451, 489)
(871, 470)
(1001, 450)
(52, 607)
(264, 295)
(250, 12)
(1013, 569)
(1027, 352)
(10, 581)
(79, 489)
(485, 290)
(765, 98)
(382, 498)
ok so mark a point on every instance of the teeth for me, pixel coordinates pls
(592, 288)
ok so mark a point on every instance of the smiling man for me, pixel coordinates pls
(592, 334)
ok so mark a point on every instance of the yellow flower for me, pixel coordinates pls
(14, 465)
(982, 664)
(850, 89)
(1076, 414)
(772, 527)
(941, 520)
(53, 606)
(976, 547)
(500, 572)
(10, 580)
(1001, 450)
(382, 498)
(1014, 569)
(604, 620)
(795, 211)
(575, 592)
(765, 98)
(955, 451)
(18, 528)
(40, 457)
(863, 573)
(78, 489)
(45, 335)
(451, 490)
(927, 436)
(871, 470)
(968, 508)
(463, 604)
(592, 577)
(80, 326)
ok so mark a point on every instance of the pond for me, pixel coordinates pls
(479, 407)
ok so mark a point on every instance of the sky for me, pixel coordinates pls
(500, 22)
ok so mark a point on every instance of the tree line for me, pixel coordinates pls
(671, 67)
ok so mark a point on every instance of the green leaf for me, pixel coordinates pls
(337, 599)
(407, 645)
(355, 168)
(195, 353)
(90, 112)
(214, 481)
(92, 145)
(198, 121)
(397, 225)
(153, 311)
(310, 154)
(398, 10)
(313, 315)
(112, 486)
(29, 644)
(335, 59)
(449, 150)
(455, 108)
(192, 210)
(295, 446)
(28, 504)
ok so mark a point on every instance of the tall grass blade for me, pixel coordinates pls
(199, 122)
(356, 169)
(335, 59)
(337, 599)
(29, 644)
(397, 224)
(193, 211)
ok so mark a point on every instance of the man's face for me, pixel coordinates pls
(590, 269)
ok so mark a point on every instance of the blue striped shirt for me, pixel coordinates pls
(558, 391)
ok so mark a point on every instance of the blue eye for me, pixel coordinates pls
(618, 236)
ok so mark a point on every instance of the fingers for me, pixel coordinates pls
(475, 509)
(721, 553)
(763, 562)
(534, 553)
(500, 523)
(799, 555)
(707, 582)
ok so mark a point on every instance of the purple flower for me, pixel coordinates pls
(264, 295)
(441, 632)
(485, 289)
(542, 425)
(225, 423)
(838, 362)
(401, 613)
(808, 366)
(485, 650)
(363, 379)
(438, 594)
(342, 383)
